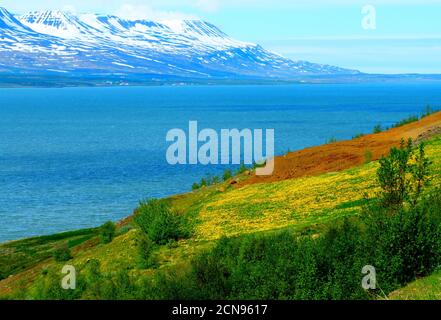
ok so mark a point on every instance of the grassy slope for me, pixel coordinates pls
(16, 256)
(428, 288)
(303, 205)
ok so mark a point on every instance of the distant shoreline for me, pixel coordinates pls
(8, 81)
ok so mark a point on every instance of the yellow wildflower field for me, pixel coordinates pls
(296, 203)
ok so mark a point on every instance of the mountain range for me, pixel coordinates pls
(49, 45)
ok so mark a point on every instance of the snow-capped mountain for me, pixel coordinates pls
(97, 45)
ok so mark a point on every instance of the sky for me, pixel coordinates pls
(375, 36)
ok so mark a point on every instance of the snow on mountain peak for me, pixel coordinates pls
(56, 23)
(9, 22)
(90, 26)
(57, 41)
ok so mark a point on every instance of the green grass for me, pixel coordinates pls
(428, 288)
(304, 206)
(19, 255)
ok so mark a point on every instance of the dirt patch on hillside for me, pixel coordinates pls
(346, 154)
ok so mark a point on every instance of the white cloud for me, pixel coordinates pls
(208, 5)
(70, 8)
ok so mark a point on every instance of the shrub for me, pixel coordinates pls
(368, 156)
(405, 121)
(331, 140)
(159, 223)
(428, 110)
(48, 287)
(208, 180)
(392, 175)
(145, 250)
(227, 175)
(378, 129)
(107, 232)
(62, 253)
(241, 169)
(402, 245)
(403, 174)
(359, 135)
(420, 171)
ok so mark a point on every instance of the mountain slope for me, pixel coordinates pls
(89, 45)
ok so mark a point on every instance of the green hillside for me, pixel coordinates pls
(223, 227)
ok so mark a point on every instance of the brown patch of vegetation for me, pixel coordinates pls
(346, 154)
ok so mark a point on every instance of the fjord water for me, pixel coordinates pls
(77, 157)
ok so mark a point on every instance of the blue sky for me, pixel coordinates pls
(407, 38)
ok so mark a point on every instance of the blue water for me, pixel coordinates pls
(77, 157)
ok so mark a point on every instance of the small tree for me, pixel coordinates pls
(227, 175)
(420, 173)
(403, 174)
(241, 169)
(107, 232)
(378, 129)
(368, 156)
(157, 220)
(428, 110)
(62, 253)
(392, 174)
(145, 250)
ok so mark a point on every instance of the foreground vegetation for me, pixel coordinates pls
(401, 246)
(305, 238)
(395, 227)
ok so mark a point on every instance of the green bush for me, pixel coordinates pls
(241, 169)
(331, 140)
(402, 245)
(227, 175)
(107, 232)
(159, 223)
(405, 121)
(48, 287)
(378, 129)
(392, 175)
(359, 135)
(368, 156)
(399, 179)
(420, 173)
(428, 110)
(62, 253)
(145, 250)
